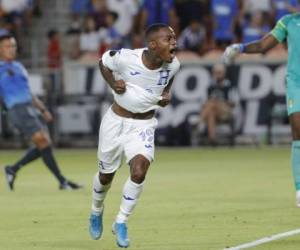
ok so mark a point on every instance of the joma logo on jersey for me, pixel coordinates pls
(163, 77)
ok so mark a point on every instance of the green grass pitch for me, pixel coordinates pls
(194, 199)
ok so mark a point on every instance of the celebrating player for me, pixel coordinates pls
(141, 81)
(286, 29)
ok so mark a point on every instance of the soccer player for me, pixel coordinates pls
(141, 81)
(287, 29)
(22, 108)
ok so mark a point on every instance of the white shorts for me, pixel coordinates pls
(120, 136)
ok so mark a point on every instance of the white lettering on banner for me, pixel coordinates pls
(182, 110)
(279, 81)
(268, 81)
(190, 100)
(245, 82)
(174, 116)
(255, 82)
(180, 89)
(165, 116)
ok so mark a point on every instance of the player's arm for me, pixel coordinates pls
(277, 35)
(117, 85)
(42, 108)
(168, 87)
(260, 46)
(166, 95)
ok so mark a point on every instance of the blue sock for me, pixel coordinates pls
(296, 163)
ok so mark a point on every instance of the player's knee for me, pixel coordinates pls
(138, 177)
(138, 168)
(105, 179)
(296, 133)
(41, 140)
(138, 173)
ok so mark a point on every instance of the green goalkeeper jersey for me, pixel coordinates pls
(288, 28)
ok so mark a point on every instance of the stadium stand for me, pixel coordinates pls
(79, 82)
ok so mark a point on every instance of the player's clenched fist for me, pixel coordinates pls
(119, 86)
(231, 52)
(166, 98)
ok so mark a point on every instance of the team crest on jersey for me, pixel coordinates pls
(163, 77)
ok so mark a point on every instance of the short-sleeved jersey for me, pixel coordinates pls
(288, 28)
(14, 85)
(143, 86)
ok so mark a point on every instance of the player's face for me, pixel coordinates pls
(8, 49)
(166, 44)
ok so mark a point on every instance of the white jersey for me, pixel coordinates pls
(144, 87)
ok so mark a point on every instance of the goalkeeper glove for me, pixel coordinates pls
(232, 51)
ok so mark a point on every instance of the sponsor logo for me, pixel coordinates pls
(134, 73)
(127, 198)
(98, 192)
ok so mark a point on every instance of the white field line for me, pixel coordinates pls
(265, 240)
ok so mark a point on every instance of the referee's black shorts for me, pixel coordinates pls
(25, 117)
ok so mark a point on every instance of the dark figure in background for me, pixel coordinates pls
(54, 56)
(22, 110)
(192, 38)
(222, 98)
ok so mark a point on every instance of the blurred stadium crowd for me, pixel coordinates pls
(203, 27)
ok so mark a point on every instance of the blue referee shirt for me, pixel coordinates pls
(14, 84)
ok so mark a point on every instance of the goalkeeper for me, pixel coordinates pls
(287, 29)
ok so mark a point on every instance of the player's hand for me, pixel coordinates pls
(166, 99)
(119, 87)
(47, 116)
(231, 52)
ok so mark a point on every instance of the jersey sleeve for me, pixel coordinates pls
(112, 59)
(280, 30)
(24, 71)
(174, 67)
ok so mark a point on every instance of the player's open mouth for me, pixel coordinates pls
(172, 52)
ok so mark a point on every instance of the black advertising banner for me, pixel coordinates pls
(260, 86)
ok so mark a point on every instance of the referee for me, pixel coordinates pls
(23, 110)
